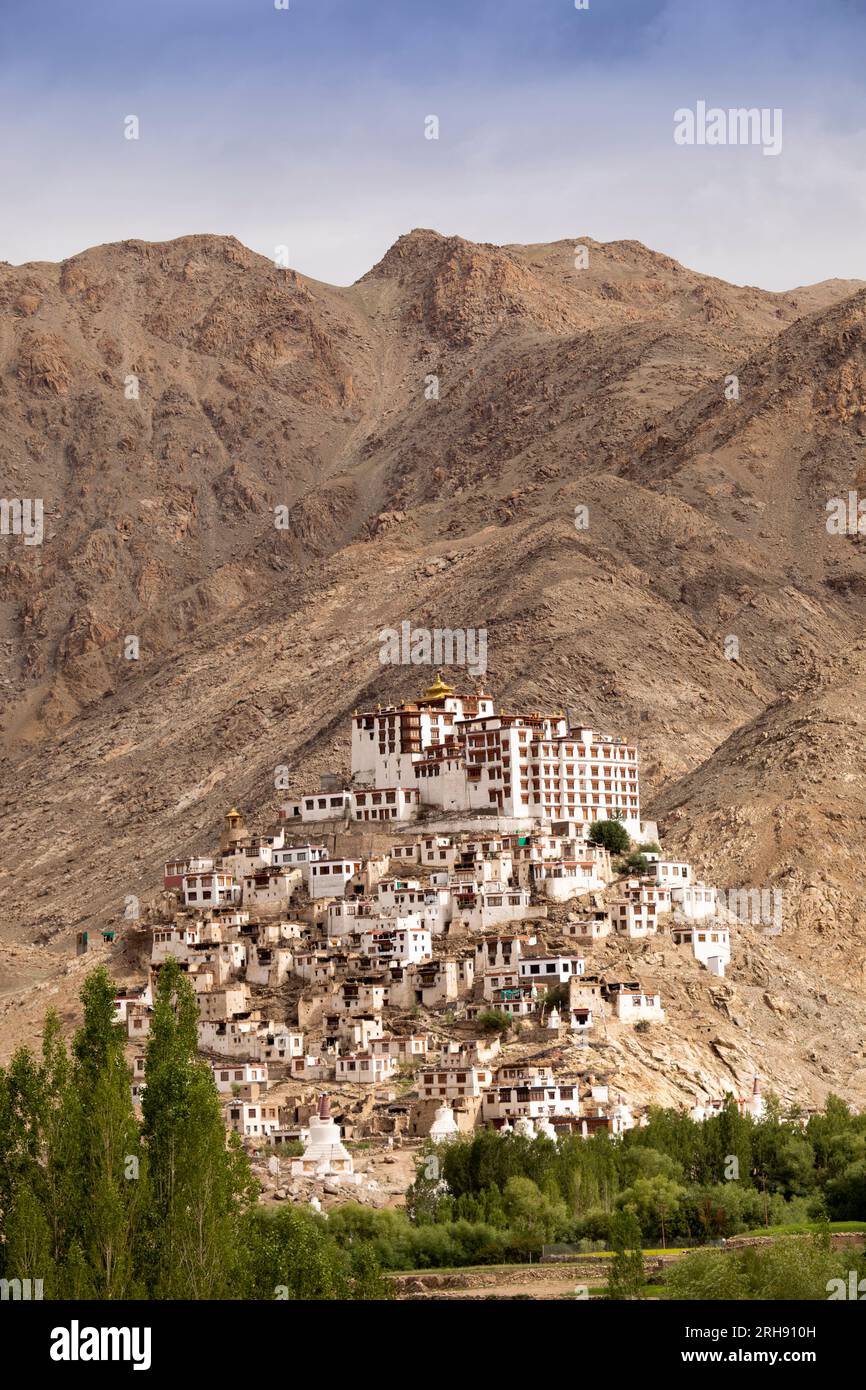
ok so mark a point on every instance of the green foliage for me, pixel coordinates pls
(556, 998)
(657, 1203)
(200, 1185)
(291, 1254)
(635, 863)
(684, 1182)
(494, 1021)
(535, 1216)
(626, 1274)
(799, 1268)
(611, 834)
(394, 1242)
(99, 1206)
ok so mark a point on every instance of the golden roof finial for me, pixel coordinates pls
(438, 690)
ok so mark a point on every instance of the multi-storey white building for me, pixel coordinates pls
(207, 888)
(175, 869)
(399, 942)
(480, 906)
(463, 756)
(533, 1094)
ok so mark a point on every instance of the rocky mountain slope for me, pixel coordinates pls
(428, 433)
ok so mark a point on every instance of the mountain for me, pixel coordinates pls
(428, 433)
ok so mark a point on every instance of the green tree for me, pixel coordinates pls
(289, 1254)
(534, 1216)
(201, 1184)
(612, 834)
(97, 1152)
(28, 1239)
(636, 863)
(656, 1201)
(626, 1273)
(494, 1021)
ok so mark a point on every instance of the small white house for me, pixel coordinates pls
(228, 1075)
(328, 877)
(253, 1119)
(670, 872)
(366, 1067)
(710, 942)
(694, 901)
(562, 879)
(549, 971)
(630, 1005)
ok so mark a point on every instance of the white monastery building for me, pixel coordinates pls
(461, 755)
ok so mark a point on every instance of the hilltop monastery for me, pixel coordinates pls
(417, 944)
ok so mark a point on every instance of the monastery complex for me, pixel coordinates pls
(409, 956)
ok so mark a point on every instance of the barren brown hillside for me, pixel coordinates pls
(558, 387)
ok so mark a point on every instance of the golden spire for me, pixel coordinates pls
(438, 690)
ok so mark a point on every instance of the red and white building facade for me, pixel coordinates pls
(462, 755)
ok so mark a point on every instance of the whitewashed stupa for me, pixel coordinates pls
(325, 1155)
(524, 1126)
(543, 1126)
(444, 1125)
(553, 1019)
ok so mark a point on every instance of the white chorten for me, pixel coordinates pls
(524, 1126)
(325, 1156)
(553, 1019)
(444, 1125)
(757, 1105)
(543, 1126)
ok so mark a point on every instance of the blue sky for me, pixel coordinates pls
(305, 127)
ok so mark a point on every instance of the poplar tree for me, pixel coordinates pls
(97, 1156)
(626, 1276)
(200, 1183)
